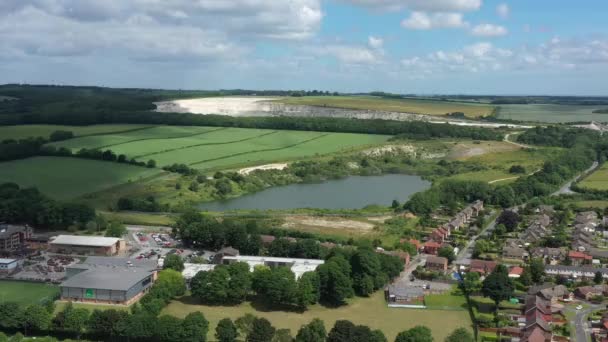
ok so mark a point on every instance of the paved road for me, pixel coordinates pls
(565, 189)
(581, 324)
(466, 254)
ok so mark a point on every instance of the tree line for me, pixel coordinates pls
(29, 206)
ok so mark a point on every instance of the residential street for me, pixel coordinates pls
(581, 325)
(465, 255)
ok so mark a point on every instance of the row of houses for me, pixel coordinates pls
(585, 224)
(537, 229)
(439, 235)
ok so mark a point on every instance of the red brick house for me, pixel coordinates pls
(579, 258)
(431, 247)
(435, 263)
(482, 266)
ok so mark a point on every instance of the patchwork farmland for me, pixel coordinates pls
(207, 148)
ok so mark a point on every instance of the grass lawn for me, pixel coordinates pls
(68, 178)
(24, 131)
(598, 180)
(209, 148)
(60, 305)
(26, 293)
(372, 312)
(136, 218)
(445, 302)
(430, 107)
(591, 204)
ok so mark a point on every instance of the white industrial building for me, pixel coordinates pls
(190, 270)
(297, 266)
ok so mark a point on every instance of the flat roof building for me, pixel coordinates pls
(86, 245)
(108, 280)
(190, 270)
(297, 266)
(8, 265)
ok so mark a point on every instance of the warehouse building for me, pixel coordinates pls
(108, 280)
(87, 245)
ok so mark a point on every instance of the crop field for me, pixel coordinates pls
(24, 131)
(551, 113)
(371, 311)
(598, 180)
(26, 293)
(215, 148)
(429, 107)
(68, 178)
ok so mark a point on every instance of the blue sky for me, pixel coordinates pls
(403, 46)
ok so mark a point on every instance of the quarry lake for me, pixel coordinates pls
(348, 193)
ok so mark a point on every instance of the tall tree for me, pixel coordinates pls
(174, 262)
(418, 333)
(460, 335)
(195, 327)
(261, 331)
(498, 286)
(312, 332)
(343, 331)
(226, 331)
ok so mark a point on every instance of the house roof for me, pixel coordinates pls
(516, 270)
(228, 251)
(579, 255)
(432, 244)
(486, 266)
(90, 241)
(7, 261)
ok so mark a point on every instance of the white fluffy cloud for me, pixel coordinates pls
(553, 55)
(503, 10)
(420, 5)
(375, 42)
(489, 30)
(425, 21)
(151, 29)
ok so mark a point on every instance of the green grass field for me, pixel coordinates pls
(429, 107)
(216, 148)
(26, 293)
(598, 180)
(499, 164)
(371, 311)
(24, 131)
(68, 178)
(551, 113)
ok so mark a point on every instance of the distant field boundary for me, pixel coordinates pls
(205, 144)
(262, 150)
(144, 139)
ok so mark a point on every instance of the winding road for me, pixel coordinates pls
(565, 189)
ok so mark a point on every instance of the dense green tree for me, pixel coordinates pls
(282, 287)
(245, 324)
(115, 229)
(10, 315)
(75, 321)
(509, 219)
(537, 270)
(418, 333)
(37, 318)
(343, 331)
(460, 335)
(598, 278)
(447, 252)
(169, 329)
(308, 291)
(195, 327)
(312, 332)
(211, 286)
(280, 248)
(261, 331)
(226, 331)
(151, 164)
(335, 282)
(472, 282)
(497, 285)
(282, 335)
(173, 262)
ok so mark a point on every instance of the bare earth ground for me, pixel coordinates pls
(235, 106)
(464, 150)
(277, 166)
(333, 223)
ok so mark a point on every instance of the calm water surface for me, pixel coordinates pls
(349, 193)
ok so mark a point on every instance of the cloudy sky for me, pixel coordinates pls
(404, 46)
